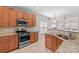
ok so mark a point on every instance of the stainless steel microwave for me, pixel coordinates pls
(21, 23)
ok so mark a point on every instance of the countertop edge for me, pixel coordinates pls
(56, 36)
(7, 34)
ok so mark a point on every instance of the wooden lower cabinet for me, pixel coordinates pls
(48, 41)
(33, 37)
(52, 42)
(4, 44)
(13, 42)
(34, 20)
(8, 43)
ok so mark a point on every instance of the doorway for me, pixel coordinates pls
(43, 28)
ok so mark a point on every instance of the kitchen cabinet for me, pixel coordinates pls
(12, 17)
(4, 44)
(3, 16)
(52, 42)
(30, 20)
(26, 16)
(20, 14)
(33, 37)
(8, 17)
(48, 41)
(34, 21)
(13, 42)
(8, 43)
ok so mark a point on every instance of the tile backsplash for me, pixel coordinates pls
(7, 30)
(12, 30)
(32, 29)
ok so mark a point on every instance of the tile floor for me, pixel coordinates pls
(68, 46)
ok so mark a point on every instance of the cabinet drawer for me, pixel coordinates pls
(3, 39)
(13, 36)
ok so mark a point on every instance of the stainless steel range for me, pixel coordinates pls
(24, 38)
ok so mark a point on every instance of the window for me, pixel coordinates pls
(53, 23)
(71, 23)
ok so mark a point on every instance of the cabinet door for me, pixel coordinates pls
(36, 36)
(3, 16)
(33, 37)
(54, 43)
(20, 15)
(30, 20)
(4, 47)
(12, 17)
(13, 42)
(25, 16)
(34, 20)
(48, 42)
(51, 43)
(58, 42)
(54, 46)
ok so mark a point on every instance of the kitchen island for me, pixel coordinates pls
(53, 41)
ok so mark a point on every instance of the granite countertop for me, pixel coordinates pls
(31, 31)
(73, 31)
(6, 34)
(35, 31)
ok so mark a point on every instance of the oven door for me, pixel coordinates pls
(24, 38)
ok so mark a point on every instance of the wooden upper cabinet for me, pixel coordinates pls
(3, 16)
(30, 20)
(12, 17)
(34, 20)
(8, 17)
(20, 15)
(25, 16)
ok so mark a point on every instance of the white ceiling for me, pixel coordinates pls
(52, 11)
